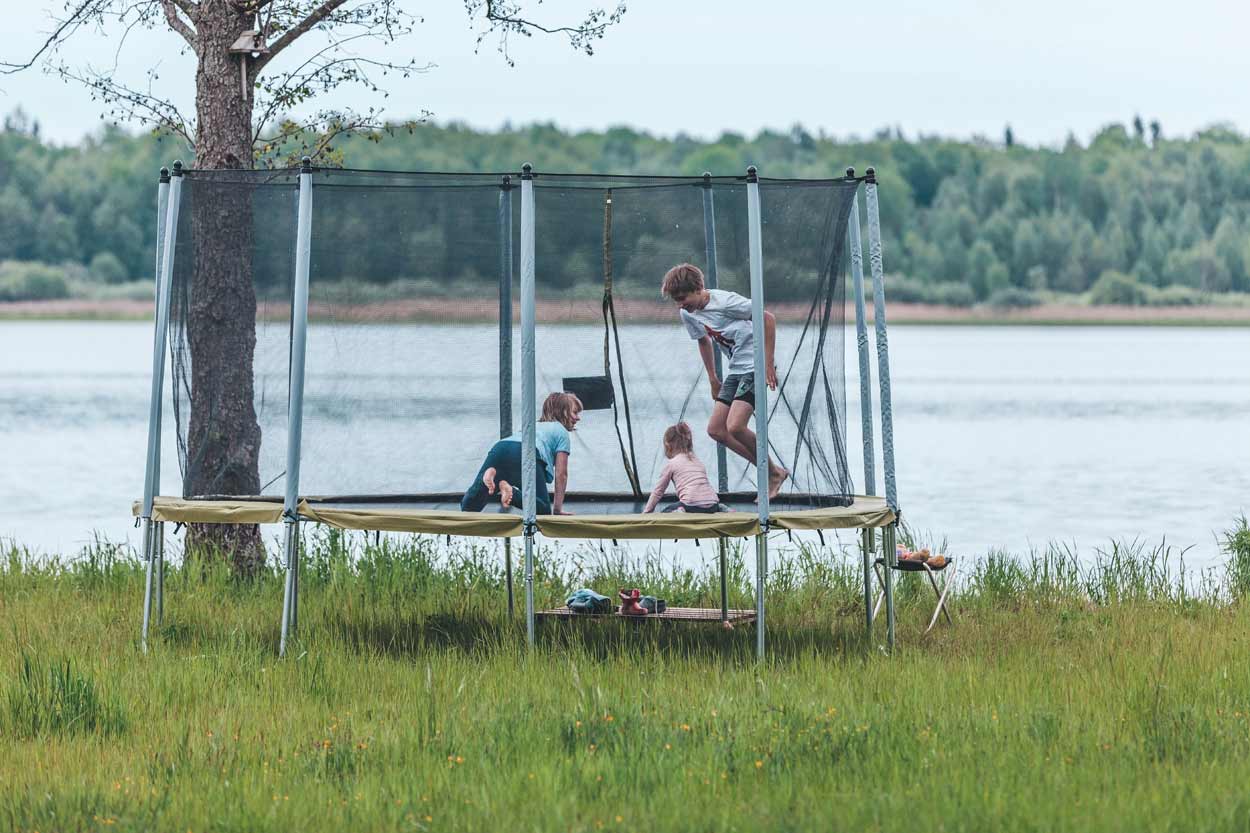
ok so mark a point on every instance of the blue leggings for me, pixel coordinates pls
(505, 458)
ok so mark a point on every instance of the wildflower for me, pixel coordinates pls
(459, 760)
(685, 727)
(609, 718)
(668, 746)
(759, 764)
(619, 819)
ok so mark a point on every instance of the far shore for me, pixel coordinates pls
(443, 310)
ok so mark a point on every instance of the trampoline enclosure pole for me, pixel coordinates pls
(528, 462)
(168, 199)
(295, 404)
(855, 244)
(755, 245)
(505, 345)
(883, 345)
(883, 374)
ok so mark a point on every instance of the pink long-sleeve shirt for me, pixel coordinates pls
(689, 478)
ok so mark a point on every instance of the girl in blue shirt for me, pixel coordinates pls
(502, 468)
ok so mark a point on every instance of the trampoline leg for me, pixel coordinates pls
(761, 570)
(888, 541)
(507, 563)
(295, 581)
(160, 572)
(866, 547)
(724, 587)
(529, 588)
(148, 557)
(288, 593)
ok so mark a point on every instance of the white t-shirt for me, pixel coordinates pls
(727, 321)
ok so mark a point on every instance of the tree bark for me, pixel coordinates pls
(223, 433)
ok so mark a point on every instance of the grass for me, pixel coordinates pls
(1110, 694)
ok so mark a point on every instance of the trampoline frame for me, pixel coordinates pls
(297, 510)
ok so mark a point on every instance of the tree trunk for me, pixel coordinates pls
(223, 433)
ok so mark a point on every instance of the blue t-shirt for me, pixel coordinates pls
(550, 438)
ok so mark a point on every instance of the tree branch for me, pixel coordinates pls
(291, 35)
(176, 23)
(64, 29)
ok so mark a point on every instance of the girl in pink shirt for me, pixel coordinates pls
(689, 477)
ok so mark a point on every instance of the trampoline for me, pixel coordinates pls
(396, 324)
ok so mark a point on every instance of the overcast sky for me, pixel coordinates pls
(951, 67)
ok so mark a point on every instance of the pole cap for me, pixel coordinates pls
(850, 173)
(507, 182)
(527, 171)
(305, 165)
(164, 174)
(870, 176)
(707, 179)
(177, 167)
(753, 175)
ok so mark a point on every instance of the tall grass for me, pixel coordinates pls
(1108, 693)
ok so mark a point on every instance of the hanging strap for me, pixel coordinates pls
(612, 335)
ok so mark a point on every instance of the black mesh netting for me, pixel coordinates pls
(404, 373)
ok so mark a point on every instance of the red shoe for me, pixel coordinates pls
(629, 603)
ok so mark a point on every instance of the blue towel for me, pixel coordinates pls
(586, 600)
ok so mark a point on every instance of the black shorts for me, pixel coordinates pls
(737, 387)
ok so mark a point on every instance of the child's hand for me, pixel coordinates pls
(563, 512)
(770, 376)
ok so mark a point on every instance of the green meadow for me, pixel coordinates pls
(1106, 692)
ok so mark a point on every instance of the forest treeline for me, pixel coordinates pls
(1127, 218)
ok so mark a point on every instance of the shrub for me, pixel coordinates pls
(903, 290)
(1114, 287)
(1174, 295)
(946, 293)
(1013, 297)
(106, 267)
(31, 281)
(1237, 546)
(952, 295)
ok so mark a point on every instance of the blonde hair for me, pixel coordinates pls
(682, 279)
(560, 407)
(678, 440)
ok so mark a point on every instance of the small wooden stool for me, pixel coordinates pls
(946, 571)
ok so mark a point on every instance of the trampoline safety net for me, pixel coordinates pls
(413, 350)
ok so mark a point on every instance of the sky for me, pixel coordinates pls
(957, 68)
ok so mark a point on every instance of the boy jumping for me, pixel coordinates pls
(716, 318)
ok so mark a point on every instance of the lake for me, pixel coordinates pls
(1006, 437)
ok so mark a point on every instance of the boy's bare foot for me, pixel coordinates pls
(488, 480)
(505, 494)
(776, 476)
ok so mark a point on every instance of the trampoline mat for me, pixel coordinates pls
(595, 515)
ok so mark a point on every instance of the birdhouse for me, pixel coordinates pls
(249, 44)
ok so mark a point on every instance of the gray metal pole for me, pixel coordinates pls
(755, 246)
(856, 246)
(888, 540)
(505, 347)
(722, 462)
(168, 201)
(295, 404)
(529, 466)
(883, 345)
(883, 374)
